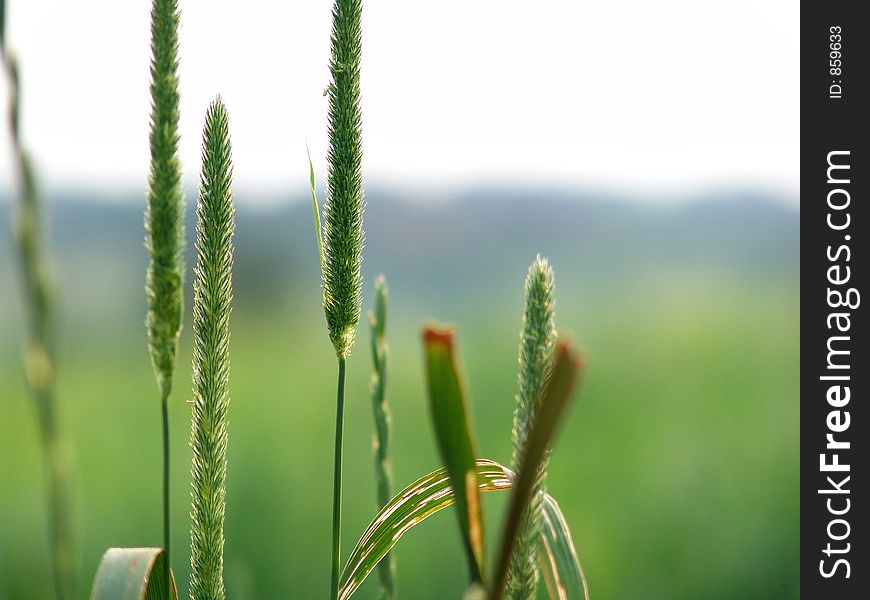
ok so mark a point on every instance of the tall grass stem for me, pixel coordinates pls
(341, 238)
(39, 352)
(164, 226)
(164, 419)
(336, 481)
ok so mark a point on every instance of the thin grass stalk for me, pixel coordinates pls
(39, 353)
(164, 225)
(383, 425)
(342, 235)
(338, 453)
(537, 340)
(212, 305)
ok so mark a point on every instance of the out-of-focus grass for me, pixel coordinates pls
(677, 470)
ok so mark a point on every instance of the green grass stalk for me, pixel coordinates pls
(338, 452)
(164, 225)
(39, 361)
(383, 423)
(342, 235)
(537, 340)
(213, 296)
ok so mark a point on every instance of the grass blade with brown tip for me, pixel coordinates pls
(453, 433)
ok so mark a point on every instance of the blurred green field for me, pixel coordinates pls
(677, 470)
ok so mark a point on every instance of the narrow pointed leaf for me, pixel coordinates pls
(410, 507)
(547, 418)
(131, 574)
(557, 557)
(450, 419)
(315, 207)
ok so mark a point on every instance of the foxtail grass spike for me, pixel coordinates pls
(343, 211)
(548, 416)
(342, 235)
(537, 340)
(164, 221)
(39, 349)
(383, 424)
(164, 227)
(212, 304)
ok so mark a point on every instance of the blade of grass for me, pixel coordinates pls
(133, 574)
(433, 493)
(315, 206)
(557, 557)
(407, 509)
(453, 434)
(545, 422)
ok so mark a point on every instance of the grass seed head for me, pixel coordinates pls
(537, 341)
(212, 304)
(343, 236)
(164, 219)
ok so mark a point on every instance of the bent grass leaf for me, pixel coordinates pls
(557, 557)
(548, 417)
(132, 574)
(428, 495)
(447, 401)
(410, 507)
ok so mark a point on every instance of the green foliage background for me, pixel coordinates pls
(677, 470)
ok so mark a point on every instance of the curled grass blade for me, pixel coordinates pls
(428, 495)
(410, 507)
(132, 574)
(557, 557)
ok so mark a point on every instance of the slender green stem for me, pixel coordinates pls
(39, 349)
(164, 406)
(336, 481)
(58, 501)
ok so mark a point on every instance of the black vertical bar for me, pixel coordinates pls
(834, 370)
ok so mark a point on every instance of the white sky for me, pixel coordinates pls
(634, 95)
